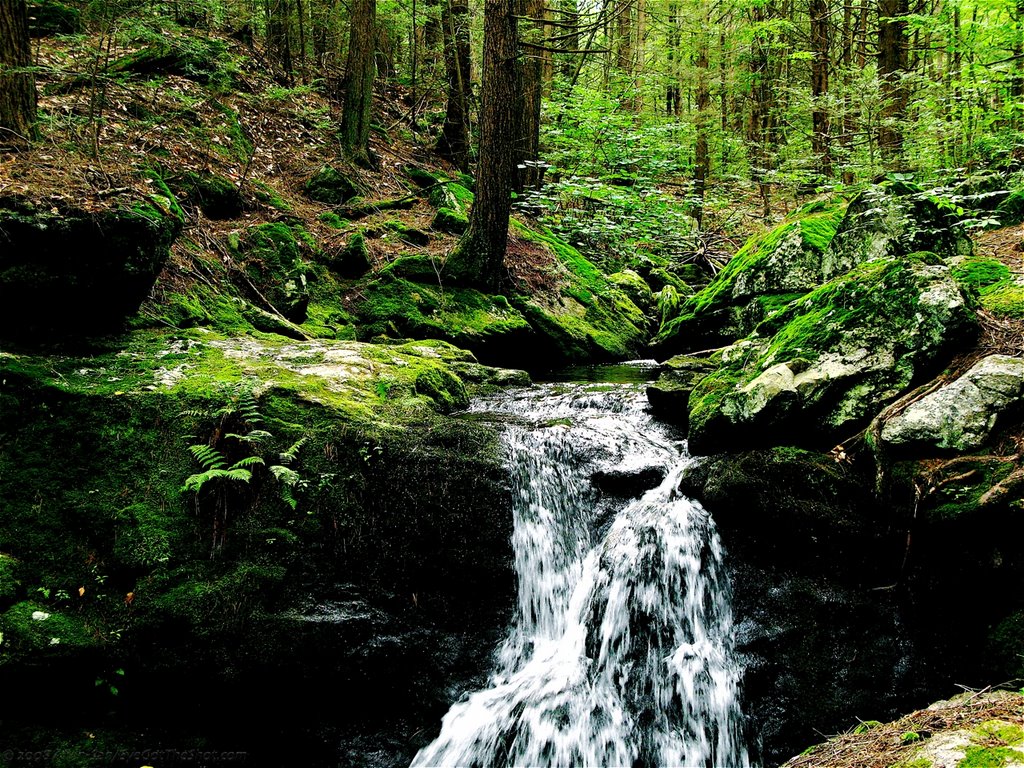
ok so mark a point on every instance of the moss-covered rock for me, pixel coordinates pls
(894, 219)
(331, 186)
(634, 286)
(123, 579)
(670, 394)
(272, 256)
(71, 271)
(216, 196)
(1005, 298)
(354, 259)
(787, 260)
(962, 414)
(1011, 210)
(832, 359)
(450, 220)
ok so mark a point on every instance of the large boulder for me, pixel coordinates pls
(72, 271)
(962, 414)
(831, 360)
(770, 270)
(816, 244)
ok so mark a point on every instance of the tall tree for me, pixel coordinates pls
(17, 84)
(454, 140)
(820, 36)
(479, 258)
(892, 66)
(358, 83)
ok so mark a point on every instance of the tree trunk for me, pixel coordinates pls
(17, 84)
(570, 22)
(479, 258)
(702, 161)
(358, 83)
(820, 138)
(624, 54)
(531, 85)
(759, 124)
(848, 123)
(454, 140)
(892, 65)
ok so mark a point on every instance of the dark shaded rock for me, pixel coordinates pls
(329, 185)
(669, 396)
(800, 511)
(354, 259)
(272, 256)
(70, 271)
(628, 483)
(215, 196)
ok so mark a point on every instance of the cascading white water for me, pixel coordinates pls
(621, 651)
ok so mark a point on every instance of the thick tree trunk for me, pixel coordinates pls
(624, 54)
(759, 123)
(454, 140)
(17, 84)
(848, 122)
(479, 258)
(820, 138)
(892, 65)
(358, 83)
(569, 20)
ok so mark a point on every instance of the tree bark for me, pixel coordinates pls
(892, 65)
(454, 140)
(702, 160)
(479, 258)
(820, 137)
(17, 83)
(531, 87)
(358, 83)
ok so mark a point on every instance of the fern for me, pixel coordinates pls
(289, 477)
(249, 409)
(196, 482)
(293, 452)
(248, 461)
(208, 456)
(255, 436)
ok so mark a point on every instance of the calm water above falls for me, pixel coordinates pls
(621, 652)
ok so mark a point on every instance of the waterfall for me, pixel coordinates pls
(621, 650)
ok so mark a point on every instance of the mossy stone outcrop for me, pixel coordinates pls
(894, 219)
(370, 574)
(273, 257)
(71, 271)
(331, 186)
(50, 17)
(770, 269)
(962, 414)
(830, 361)
(216, 196)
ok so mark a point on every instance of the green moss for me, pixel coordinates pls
(268, 195)
(331, 186)
(866, 725)
(815, 230)
(851, 302)
(396, 307)
(450, 220)
(408, 235)
(333, 220)
(988, 757)
(32, 627)
(444, 388)
(1011, 210)
(977, 272)
(1004, 299)
(272, 256)
(1000, 732)
(216, 196)
(707, 396)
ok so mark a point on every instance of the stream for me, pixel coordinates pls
(621, 650)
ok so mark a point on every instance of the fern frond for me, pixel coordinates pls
(195, 413)
(244, 475)
(249, 408)
(248, 461)
(288, 497)
(208, 456)
(255, 436)
(293, 452)
(286, 475)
